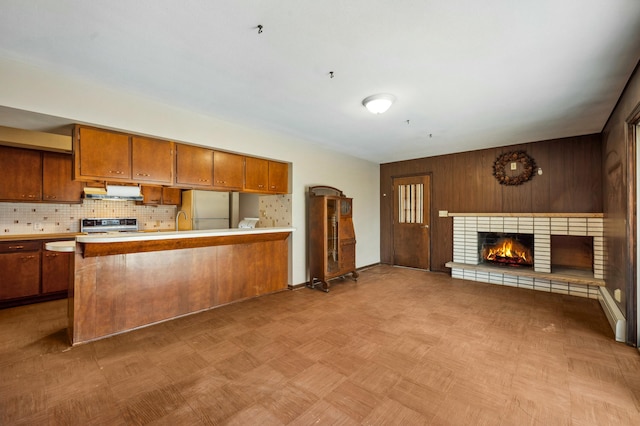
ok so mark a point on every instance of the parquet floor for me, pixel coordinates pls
(399, 347)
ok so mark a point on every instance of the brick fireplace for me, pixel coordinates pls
(568, 251)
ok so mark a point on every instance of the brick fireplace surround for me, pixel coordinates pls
(466, 256)
(466, 265)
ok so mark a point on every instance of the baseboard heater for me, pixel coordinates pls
(614, 315)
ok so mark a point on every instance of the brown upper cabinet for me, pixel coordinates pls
(266, 176)
(22, 174)
(228, 170)
(101, 155)
(57, 183)
(35, 176)
(155, 196)
(256, 177)
(278, 177)
(171, 196)
(194, 166)
(152, 160)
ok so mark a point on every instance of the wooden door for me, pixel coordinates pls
(21, 174)
(228, 170)
(152, 160)
(57, 183)
(411, 233)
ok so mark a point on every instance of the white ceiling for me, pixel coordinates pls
(467, 74)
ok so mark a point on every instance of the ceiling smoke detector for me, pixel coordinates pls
(378, 104)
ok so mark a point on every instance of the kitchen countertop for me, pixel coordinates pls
(171, 235)
(29, 237)
(69, 246)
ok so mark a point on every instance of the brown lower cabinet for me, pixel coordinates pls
(31, 273)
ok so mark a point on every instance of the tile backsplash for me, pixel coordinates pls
(39, 218)
(36, 218)
(275, 211)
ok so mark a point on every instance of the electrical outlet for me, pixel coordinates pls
(443, 213)
(37, 226)
(617, 294)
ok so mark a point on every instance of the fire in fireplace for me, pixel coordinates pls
(506, 249)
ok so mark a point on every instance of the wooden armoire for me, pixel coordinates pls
(331, 237)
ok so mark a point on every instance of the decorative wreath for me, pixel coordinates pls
(527, 167)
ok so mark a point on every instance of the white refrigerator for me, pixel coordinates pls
(204, 210)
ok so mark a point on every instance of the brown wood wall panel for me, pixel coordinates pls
(571, 183)
(540, 184)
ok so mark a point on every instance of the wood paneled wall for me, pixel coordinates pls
(571, 183)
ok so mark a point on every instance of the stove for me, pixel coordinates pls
(103, 225)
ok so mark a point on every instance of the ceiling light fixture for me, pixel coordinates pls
(378, 104)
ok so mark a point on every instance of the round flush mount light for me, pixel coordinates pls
(378, 104)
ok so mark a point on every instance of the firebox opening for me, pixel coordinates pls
(506, 249)
(572, 254)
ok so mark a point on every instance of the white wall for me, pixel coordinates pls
(36, 89)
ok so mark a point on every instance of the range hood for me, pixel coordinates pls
(114, 192)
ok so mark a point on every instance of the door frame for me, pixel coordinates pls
(631, 296)
(429, 212)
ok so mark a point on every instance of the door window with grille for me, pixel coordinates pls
(410, 203)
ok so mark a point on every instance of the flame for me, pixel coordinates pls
(507, 249)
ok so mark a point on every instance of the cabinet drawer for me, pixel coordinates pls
(19, 246)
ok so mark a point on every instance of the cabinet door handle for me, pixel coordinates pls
(116, 172)
(51, 197)
(144, 174)
(221, 181)
(260, 185)
(425, 226)
(204, 180)
(16, 247)
(27, 258)
(51, 255)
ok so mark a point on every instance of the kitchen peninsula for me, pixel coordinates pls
(123, 282)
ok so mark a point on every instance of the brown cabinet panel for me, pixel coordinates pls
(22, 174)
(152, 160)
(256, 174)
(151, 195)
(156, 195)
(57, 181)
(55, 271)
(228, 170)
(194, 166)
(278, 177)
(266, 176)
(171, 196)
(100, 155)
(21, 274)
